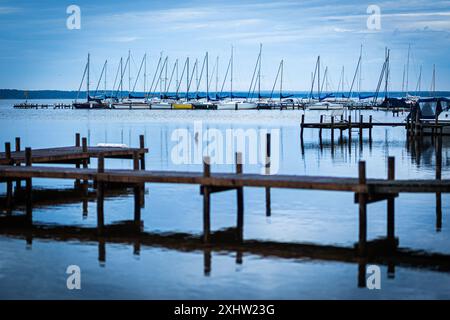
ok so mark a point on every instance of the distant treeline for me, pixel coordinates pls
(60, 94)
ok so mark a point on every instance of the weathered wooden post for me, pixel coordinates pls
(362, 265)
(268, 153)
(101, 252)
(28, 188)
(142, 147)
(391, 204)
(370, 128)
(18, 181)
(240, 200)
(77, 139)
(206, 201)
(349, 133)
(362, 199)
(320, 130)
(361, 122)
(9, 183)
(77, 165)
(340, 131)
(207, 262)
(302, 124)
(332, 131)
(100, 194)
(85, 181)
(137, 192)
(438, 177)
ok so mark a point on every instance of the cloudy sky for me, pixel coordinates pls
(38, 51)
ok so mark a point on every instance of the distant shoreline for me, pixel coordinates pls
(6, 94)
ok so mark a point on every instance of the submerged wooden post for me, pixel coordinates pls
(100, 195)
(320, 130)
(361, 129)
(391, 204)
(206, 202)
(28, 188)
(137, 192)
(302, 126)
(18, 181)
(439, 177)
(9, 183)
(332, 131)
(240, 200)
(268, 153)
(362, 199)
(77, 165)
(350, 133)
(142, 147)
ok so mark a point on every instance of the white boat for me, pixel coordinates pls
(164, 105)
(325, 106)
(428, 108)
(130, 104)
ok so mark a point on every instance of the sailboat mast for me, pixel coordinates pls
(87, 82)
(318, 77)
(403, 80)
(281, 80)
(106, 68)
(259, 71)
(121, 76)
(360, 72)
(231, 75)
(187, 79)
(407, 70)
(217, 74)
(207, 76)
(129, 72)
(145, 72)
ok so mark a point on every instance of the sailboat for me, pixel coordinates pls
(131, 101)
(320, 103)
(91, 102)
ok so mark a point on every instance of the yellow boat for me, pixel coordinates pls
(182, 106)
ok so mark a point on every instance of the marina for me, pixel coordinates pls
(226, 156)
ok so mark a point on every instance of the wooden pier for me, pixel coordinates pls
(366, 190)
(416, 128)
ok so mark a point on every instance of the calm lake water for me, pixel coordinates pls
(38, 271)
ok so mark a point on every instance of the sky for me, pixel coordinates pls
(38, 51)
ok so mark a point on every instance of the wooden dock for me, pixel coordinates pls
(366, 190)
(414, 127)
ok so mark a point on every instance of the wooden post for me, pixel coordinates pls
(370, 128)
(320, 130)
(142, 147)
(240, 200)
(391, 204)
(340, 131)
(350, 133)
(361, 129)
(100, 195)
(77, 139)
(9, 183)
(137, 192)
(28, 188)
(362, 197)
(332, 132)
(207, 261)
(77, 165)
(438, 177)
(301, 126)
(18, 181)
(206, 202)
(268, 153)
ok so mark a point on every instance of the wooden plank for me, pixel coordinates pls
(230, 179)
